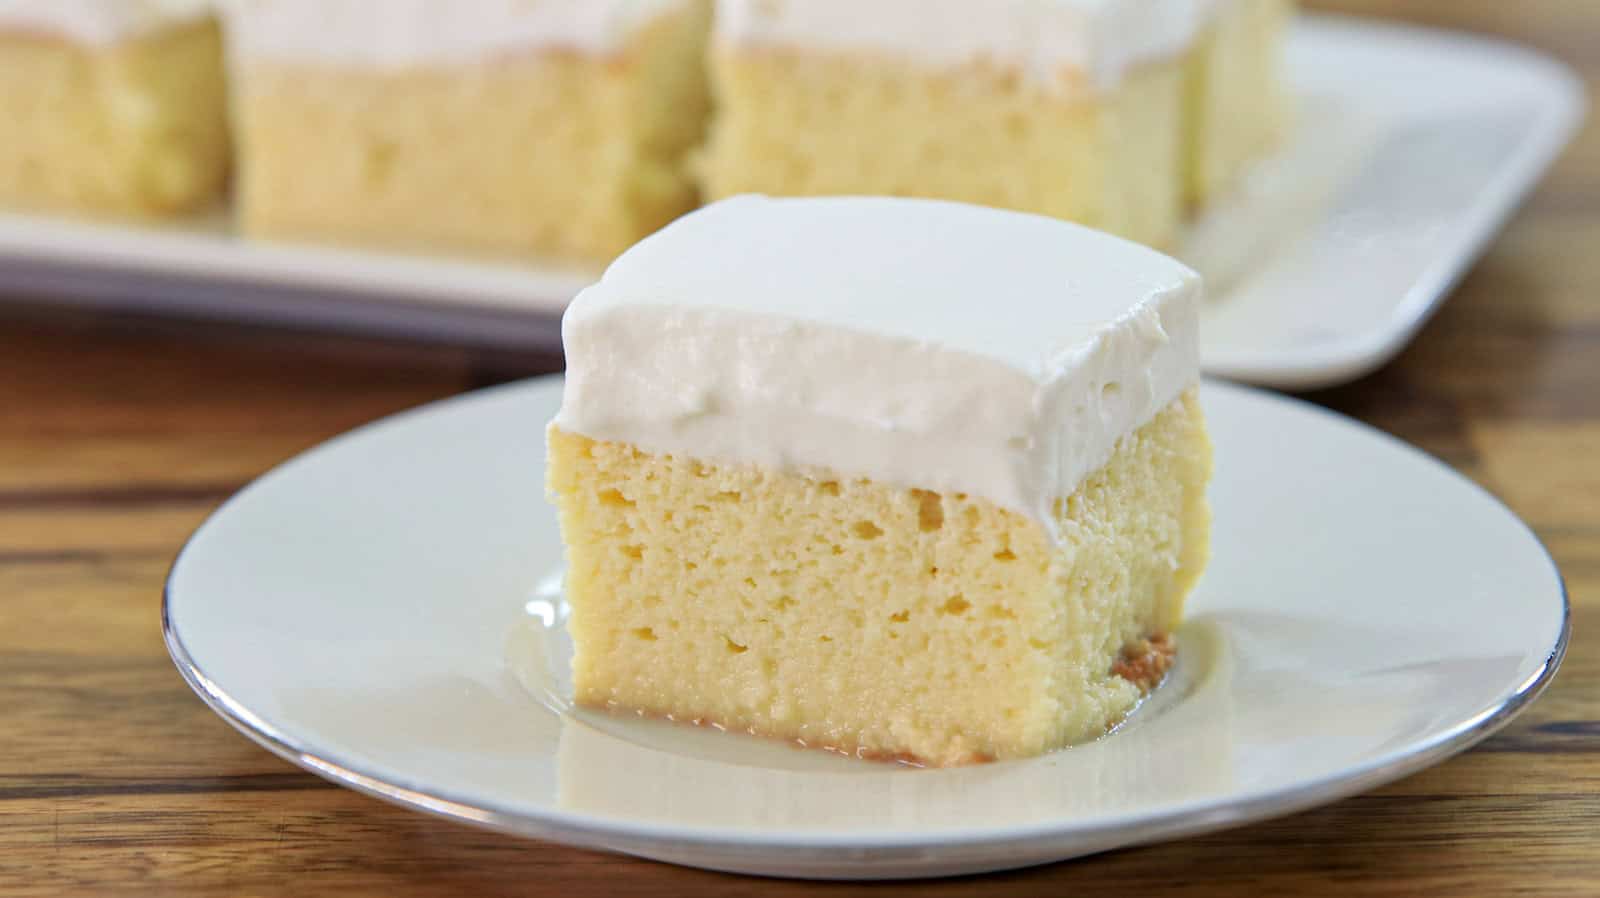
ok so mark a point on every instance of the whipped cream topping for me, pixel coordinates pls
(98, 21)
(918, 343)
(394, 33)
(1050, 41)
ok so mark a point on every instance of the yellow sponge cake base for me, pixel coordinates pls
(875, 620)
(792, 123)
(135, 128)
(554, 153)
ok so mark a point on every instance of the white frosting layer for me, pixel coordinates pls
(408, 32)
(1048, 40)
(919, 343)
(98, 21)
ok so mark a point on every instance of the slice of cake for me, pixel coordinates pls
(556, 128)
(111, 106)
(1069, 108)
(1238, 103)
(902, 478)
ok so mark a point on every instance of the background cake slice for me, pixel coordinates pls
(1069, 108)
(1238, 105)
(111, 106)
(902, 478)
(555, 128)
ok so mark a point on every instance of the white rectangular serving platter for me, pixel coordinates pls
(1411, 148)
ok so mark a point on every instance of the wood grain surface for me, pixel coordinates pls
(118, 434)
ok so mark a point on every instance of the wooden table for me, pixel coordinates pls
(118, 435)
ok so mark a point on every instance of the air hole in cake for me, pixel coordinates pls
(1001, 612)
(634, 552)
(867, 530)
(615, 499)
(734, 648)
(380, 162)
(824, 638)
(900, 617)
(829, 487)
(1005, 555)
(800, 170)
(930, 510)
(645, 633)
(1110, 391)
(784, 603)
(955, 605)
(1039, 644)
(729, 496)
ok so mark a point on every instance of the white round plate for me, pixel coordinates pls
(1368, 613)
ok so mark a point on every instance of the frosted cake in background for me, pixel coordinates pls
(902, 478)
(1096, 111)
(554, 128)
(111, 106)
(1238, 105)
